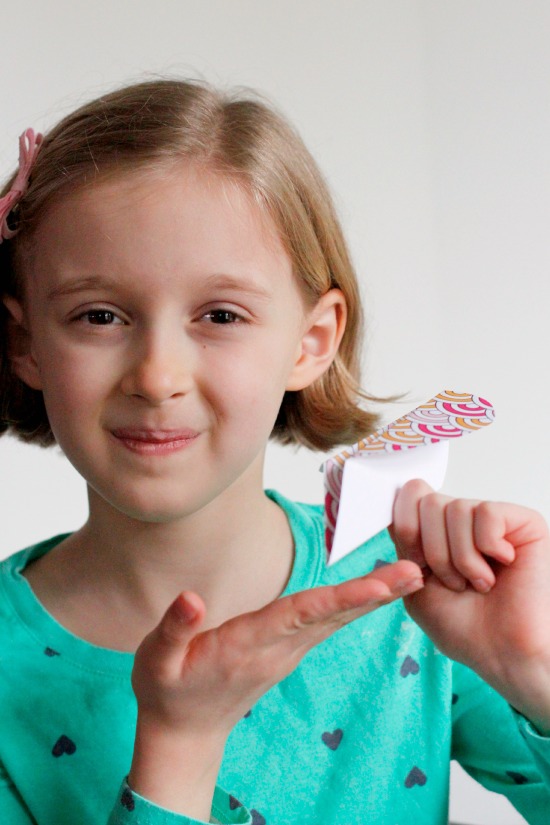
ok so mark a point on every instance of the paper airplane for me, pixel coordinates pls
(361, 482)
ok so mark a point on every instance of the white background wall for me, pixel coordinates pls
(431, 120)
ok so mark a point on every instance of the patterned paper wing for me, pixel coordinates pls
(449, 415)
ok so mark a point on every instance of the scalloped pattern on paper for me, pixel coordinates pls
(448, 415)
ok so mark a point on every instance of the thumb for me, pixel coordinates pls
(181, 621)
(163, 649)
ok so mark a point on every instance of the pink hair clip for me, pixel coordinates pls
(29, 144)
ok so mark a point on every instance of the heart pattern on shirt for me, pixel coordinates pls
(409, 666)
(332, 740)
(127, 800)
(64, 745)
(415, 777)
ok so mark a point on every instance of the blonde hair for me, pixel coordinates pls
(152, 125)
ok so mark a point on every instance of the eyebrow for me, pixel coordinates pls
(216, 281)
(80, 285)
(230, 282)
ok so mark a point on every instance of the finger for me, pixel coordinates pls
(324, 608)
(311, 617)
(522, 525)
(181, 618)
(491, 527)
(164, 648)
(436, 541)
(465, 551)
(405, 528)
(370, 591)
(420, 533)
(267, 644)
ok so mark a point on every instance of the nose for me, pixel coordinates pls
(158, 369)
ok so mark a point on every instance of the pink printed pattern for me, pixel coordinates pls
(449, 415)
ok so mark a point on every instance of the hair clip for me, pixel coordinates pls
(29, 144)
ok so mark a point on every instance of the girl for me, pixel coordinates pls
(176, 291)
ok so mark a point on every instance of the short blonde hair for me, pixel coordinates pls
(151, 125)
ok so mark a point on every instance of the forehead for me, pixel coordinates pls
(185, 216)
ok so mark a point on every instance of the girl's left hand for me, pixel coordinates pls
(486, 599)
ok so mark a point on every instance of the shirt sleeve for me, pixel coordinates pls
(133, 809)
(498, 747)
(538, 744)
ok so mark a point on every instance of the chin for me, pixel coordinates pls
(151, 514)
(144, 508)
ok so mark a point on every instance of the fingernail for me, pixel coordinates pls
(374, 603)
(482, 585)
(407, 587)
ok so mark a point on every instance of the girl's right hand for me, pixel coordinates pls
(193, 687)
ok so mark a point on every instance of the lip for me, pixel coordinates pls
(154, 442)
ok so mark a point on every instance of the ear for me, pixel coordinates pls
(325, 327)
(20, 353)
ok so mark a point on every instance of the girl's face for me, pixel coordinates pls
(165, 326)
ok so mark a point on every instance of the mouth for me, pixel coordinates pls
(154, 442)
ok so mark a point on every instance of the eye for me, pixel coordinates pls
(223, 316)
(100, 317)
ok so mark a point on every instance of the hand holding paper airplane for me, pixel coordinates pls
(361, 482)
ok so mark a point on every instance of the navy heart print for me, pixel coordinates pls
(64, 745)
(409, 666)
(415, 777)
(127, 800)
(332, 740)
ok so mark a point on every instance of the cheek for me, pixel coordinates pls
(70, 384)
(243, 401)
(252, 380)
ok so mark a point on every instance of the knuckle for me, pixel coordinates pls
(431, 504)
(487, 511)
(299, 619)
(458, 508)
(415, 487)
(302, 615)
(487, 523)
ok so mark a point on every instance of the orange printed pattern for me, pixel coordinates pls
(449, 415)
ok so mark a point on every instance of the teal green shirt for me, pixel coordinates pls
(362, 731)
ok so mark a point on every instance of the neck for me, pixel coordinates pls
(213, 552)
(237, 558)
